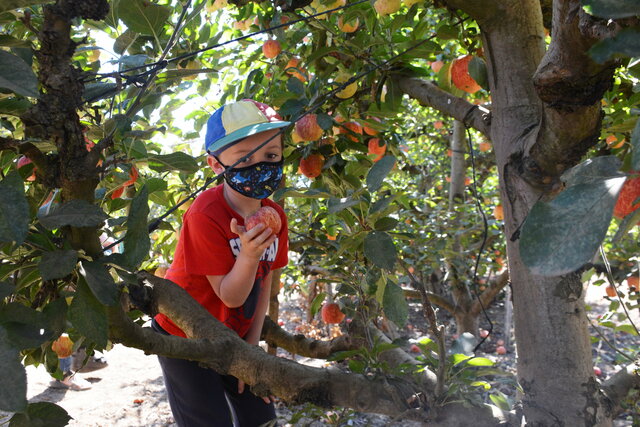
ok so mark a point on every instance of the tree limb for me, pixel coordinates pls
(486, 298)
(431, 95)
(299, 344)
(438, 300)
(221, 349)
(621, 383)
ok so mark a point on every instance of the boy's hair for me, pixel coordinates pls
(235, 121)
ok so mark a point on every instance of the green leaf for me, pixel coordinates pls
(394, 304)
(136, 241)
(559, 236)
(6, 289)
(14, 106)
(379, 172)
(295, 86)
(478, 71)
(317, 303)
(10, 41)
(174, 161)
(26, 327)
(7, 5)
(447, 32)
(76, 213)
(612, 9)
(292, 192)
(13, 381)
(14, 209)
(124, 41)
(97, 91)
(501, 401)
(57, 264)
(144, 17)
(336, 205)
(592, 170)
(626, 43)
(635, 144)
(380, 249)
(88, 316)
(46, 414)
(17, 76)
(480, 361)
(385, 224)
(100, 282)
(629, 329)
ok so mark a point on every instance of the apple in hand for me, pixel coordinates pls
(267, 216)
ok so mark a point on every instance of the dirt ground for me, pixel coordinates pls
(130, 390)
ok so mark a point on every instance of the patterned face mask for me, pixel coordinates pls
(257, 181)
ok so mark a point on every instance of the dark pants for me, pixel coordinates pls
(197, 396)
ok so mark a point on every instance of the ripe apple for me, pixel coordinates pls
(353, 127)
(271, 48)
(501, 350)
(484, 146)
(308, 129)
(438, 124)
(611, 291)
(460, 75)
(633, 282)
(437, 65)
(349, 26)
(349, 90)
(369, 130)
(484, 333)
(311, 166)
(386, 7)
(24, 161)
(597, 371)
(612, 142)
(628, 194)
(295, 63)
(498, 212)
(63, 346)
(280, 322)
(415, 349)
(331, 313)
(266, 216)
(375, 148)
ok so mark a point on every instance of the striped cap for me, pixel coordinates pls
(237, 120)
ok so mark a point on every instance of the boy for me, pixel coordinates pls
(226, 268)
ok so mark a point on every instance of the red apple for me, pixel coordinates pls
(484, 333)
(308, 129)
(501, 350)
(597, 371)
(311, 166)
(460, 75)
(331, 313)
(267, 216)
(271, 48)
(415, 349)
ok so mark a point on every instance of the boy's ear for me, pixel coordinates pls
(214, 164)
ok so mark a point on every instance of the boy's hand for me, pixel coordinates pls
(267, 400)
(255, 241)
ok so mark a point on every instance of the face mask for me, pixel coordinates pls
(257, 181)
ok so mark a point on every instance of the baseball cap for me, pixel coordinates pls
(235, 121)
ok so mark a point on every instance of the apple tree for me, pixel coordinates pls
(91, 88)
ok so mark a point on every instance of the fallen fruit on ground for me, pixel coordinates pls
(331, 313)
(266, 216)
(311, 166)
(308, 129)
(484, 333)
(63, 346)
(460, 76)
(501, 349)
(271, 48)
(597, 371)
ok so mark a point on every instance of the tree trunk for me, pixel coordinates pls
(554, 352)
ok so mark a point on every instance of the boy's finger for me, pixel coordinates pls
(240, 386)
(266, 400)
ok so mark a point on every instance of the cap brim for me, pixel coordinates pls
(243, 133)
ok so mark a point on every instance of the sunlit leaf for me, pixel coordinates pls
(144, 17)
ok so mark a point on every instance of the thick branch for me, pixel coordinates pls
(299, 344)
(223, 350)
(621, 383)
(488, 296)
(438, 300)
(431, 95)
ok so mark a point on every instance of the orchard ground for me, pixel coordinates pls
(130, 391)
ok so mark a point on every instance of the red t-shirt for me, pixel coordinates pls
(207, 247)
